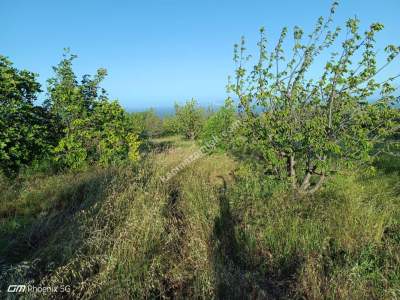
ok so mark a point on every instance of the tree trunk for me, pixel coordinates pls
(305, 187)
(306, 181)
(291, 170)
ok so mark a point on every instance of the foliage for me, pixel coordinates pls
(147, 124)
(189, 119)
(303, 129)
(103, 137)
(26, 130)
(169, 125)
(69, 100)
(94, 129)
(219, 228)
(216, 127)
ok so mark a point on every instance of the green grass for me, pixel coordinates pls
(215, 230)
(339, 244)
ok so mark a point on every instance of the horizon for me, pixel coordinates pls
(161, 52)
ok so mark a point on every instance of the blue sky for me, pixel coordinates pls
(158, 52)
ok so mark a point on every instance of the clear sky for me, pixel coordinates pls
(158, 52)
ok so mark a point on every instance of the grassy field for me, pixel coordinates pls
(215, 230)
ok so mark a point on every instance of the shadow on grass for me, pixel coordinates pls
(156, 146)
(239, 267)
(45, 227)
(388, 163)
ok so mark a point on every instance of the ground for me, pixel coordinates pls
(215, 230)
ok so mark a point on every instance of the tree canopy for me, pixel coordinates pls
(301, 127)
(26, 130)
(94, 130)
(189, 119)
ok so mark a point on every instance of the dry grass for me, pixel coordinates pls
(215, 230)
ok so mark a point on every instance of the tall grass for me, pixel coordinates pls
(342, 243)
(218, 229)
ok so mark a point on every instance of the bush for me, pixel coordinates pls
(169, 125)
(189, 119)
(94, 129)
(102, 137)
(147, 124)
(217, 127)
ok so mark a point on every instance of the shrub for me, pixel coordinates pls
(189, 119)
(217, 126)
(94, 129)
(169, 125)
(104, 137)
(147, 124)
